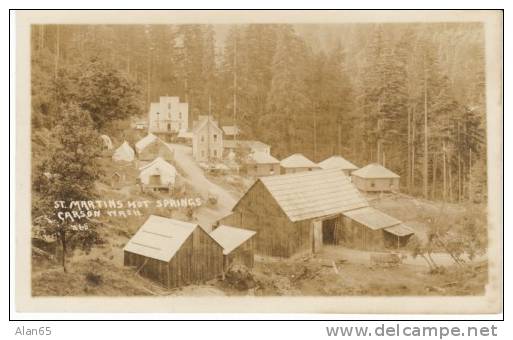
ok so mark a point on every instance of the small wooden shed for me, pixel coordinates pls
(297, 163)
(262, 164)
(375, 178)
(370, 229)
(174, 253)
(338, 162)
(238, 245)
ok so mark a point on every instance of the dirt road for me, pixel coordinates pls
(196, 177)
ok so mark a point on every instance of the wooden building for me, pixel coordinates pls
(167, 117)
(207, 140)
(174, 253)
(338, 162)
(297, 163)
(157, 175)
(238, 245)
(296, 213)
(261, 164)
(370, 229)
(231, 132)
(151, 147)
(375, 178)
(246, 146)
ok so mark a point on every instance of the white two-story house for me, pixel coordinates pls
(207, 140)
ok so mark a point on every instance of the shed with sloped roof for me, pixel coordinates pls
(174, 253)
(237, 243)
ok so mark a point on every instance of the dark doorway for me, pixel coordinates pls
(328, 231)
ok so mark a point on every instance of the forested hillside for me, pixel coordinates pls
(409, 96)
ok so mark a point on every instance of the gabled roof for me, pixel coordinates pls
(144, 142)
(374, 170)
(124, 153)
(202, 121)
(337, 162)
(161, 163)
(372, 218)
(231, 130)
(230, 237)
(160, 237)
(313, 194)
(260, 157)
(297, 160)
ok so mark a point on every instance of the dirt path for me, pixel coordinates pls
(196, 177)
(363, 257)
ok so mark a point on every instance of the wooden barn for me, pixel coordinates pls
(375, 178)
(262, 164)
(238, 245)
(296, 213)
(151, 147)
(338, 162)
(370, 229)
(297, 163)
(174, 253)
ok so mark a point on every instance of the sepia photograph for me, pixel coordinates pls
(257, 158)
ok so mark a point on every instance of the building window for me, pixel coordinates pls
(202, 139)
(215, 153)
(169, 106)
(309, 169)
(215, 138)
(372, 184)
(391, 182)
(168, 126)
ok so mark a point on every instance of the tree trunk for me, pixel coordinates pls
(408, 178)
(433, 183)
(64, 249)
(57, 52)
(339, 137)
(444, 173)
(425, 187)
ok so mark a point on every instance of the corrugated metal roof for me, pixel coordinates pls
(374, 170)
(337, 162)
(372, 218)
(160, 238)
(314, 194)
(262, 158)
(297, 160)
(230, 237)
(400, 230)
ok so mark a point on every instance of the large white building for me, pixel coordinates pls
(168, 117)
